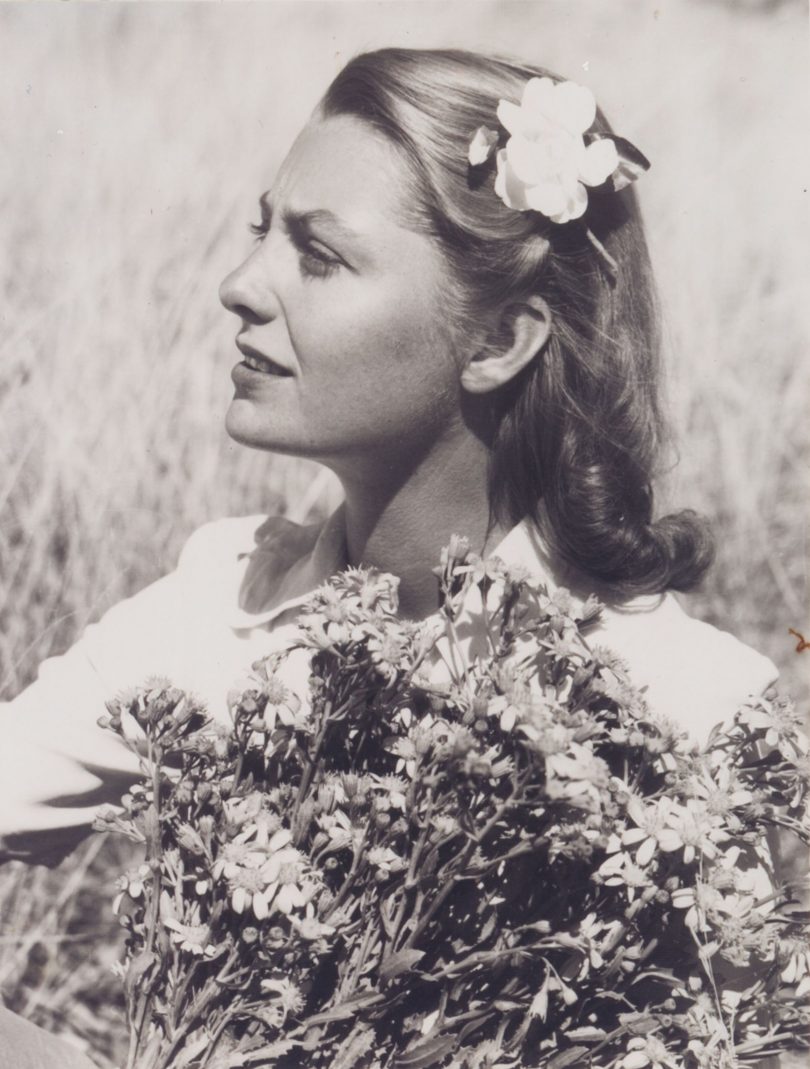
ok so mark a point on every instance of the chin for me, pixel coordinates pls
(245, 427)
(249, 428)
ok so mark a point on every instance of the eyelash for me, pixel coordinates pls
(316, 264)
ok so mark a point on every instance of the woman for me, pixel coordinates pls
(450, 305)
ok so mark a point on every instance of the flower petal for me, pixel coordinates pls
(527, 160)
(574, 106)
(511, 117)
(646, 852)
(669, 839)
(576, 203)
(513, 193)
(280, 838)
(508, 718)
(635, 1060)
(548, 198)
(633, 835)
(599, 161)
(538, 98)
(260, 906)
(683, 898)
(482, 145)
(289, 897)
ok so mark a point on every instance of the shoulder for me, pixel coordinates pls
(234, 538)
(238, 553)
(216, 554)
(691, 671)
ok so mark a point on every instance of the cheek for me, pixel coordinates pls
(375, 344)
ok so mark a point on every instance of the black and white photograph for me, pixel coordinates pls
(404, 485)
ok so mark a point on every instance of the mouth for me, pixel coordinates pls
(259, 362)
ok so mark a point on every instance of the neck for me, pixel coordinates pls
(398, 522)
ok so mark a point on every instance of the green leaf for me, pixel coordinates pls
(191, 1051)
(567, 1057)
(273, 1050)
(387, 910)
(137, 970)
(400, 962)
(425, 1053)
(586, 1034)
(488, 928)
(638, 1024)
(346, 1009)
(350, 1052)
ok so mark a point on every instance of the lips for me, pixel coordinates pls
(257, 361)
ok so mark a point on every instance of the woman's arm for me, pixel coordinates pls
(56, 764)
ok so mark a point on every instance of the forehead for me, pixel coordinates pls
(340, 164)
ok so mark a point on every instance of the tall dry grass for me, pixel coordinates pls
(134, 140)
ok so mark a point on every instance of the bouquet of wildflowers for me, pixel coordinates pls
(467, 845)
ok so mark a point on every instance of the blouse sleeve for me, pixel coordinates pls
(689, 671)
(56, 764)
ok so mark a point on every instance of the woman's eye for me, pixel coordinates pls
(260, 230)
(317, 261)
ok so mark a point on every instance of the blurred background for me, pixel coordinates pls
(134, 141)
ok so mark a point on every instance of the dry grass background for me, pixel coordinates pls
(134, 140)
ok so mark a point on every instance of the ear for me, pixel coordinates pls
(522, 332)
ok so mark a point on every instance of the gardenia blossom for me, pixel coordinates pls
(546, 165)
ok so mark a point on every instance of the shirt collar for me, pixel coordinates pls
(284, 570)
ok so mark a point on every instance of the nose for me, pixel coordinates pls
(248, 291)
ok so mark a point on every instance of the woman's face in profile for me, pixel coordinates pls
(343, 310)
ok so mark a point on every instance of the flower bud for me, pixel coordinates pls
(457, 548)
(350, 784)
(189, 839)
(184, 793)
(480, 707)
(582, 675)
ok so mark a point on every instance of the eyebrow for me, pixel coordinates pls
(296, 221)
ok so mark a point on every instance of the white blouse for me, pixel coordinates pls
(232, 600)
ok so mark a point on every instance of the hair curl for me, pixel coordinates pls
(576, 436)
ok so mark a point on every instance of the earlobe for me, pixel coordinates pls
(522, 332)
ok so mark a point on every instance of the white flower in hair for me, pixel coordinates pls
(482, 145)
(546, 165)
